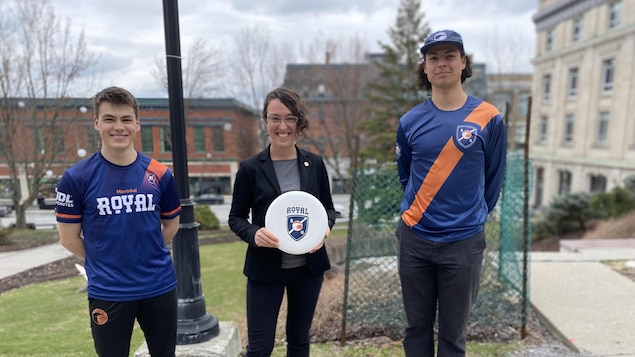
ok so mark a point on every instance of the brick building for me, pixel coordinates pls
(219, 133)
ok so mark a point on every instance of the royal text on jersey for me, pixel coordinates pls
(125, 204)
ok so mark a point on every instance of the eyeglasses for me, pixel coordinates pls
(290, 120)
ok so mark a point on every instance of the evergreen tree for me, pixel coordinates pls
(396, 90)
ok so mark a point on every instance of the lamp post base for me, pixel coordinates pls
(225, 344)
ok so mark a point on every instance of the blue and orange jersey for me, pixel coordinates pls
(451, 165)
(120, 209)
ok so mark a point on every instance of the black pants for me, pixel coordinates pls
(433, 273)
(263, 306)
(112, 323)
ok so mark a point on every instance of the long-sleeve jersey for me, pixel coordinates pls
(120, 209)
(451, 165)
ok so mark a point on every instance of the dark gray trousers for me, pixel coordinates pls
(438, 275)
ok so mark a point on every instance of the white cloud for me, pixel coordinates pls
(129, 34)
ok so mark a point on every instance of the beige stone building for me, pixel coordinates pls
(583, 108)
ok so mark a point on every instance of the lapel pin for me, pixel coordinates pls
(306, 163)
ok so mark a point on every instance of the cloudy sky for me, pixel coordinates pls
(128, 35)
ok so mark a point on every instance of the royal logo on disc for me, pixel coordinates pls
(297, 226)
(288, 218)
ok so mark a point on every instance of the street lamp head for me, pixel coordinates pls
(21, 104)
(83, 109)
(81, 152)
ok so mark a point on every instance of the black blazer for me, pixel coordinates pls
(255, 187)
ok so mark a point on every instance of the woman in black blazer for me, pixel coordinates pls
(281, 167)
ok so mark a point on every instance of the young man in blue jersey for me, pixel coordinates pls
(451, 161)
(118, 210)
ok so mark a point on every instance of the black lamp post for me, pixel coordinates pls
(194, 324)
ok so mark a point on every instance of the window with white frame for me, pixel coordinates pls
(578, 25)
(608, 74)
(597, 183)
(615, 13)
(573, 82)
(166, 139)
(564, 182)
(546, 87)
(549, 40)
(603, 129)
(542, 130)
(568, 128)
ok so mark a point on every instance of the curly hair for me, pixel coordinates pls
(115, 96)
(290, 99)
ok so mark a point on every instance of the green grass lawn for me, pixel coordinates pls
(51, 319)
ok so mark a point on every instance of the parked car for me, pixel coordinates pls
(339, 210)
(210, 199)
(4, 211)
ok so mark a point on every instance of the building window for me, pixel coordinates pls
(568, 128)
(321, 115)
(521, 132)
(564, 182)
(578, 25)
(146, 139)
(615, 13)
(500, 101)
(573, 82)
(550, 37)
(597, 183)
(320, 143)
(218, 139)
(523, 102)
(540, 182)
(546, 87)
(166, 139)
(603, 129)
(608, 74)
(542, 130)
(199, 139)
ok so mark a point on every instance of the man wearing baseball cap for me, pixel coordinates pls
(450, 153)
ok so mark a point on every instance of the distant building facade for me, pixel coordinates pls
(583, 111)
(218, 134)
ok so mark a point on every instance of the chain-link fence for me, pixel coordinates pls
(372, 292)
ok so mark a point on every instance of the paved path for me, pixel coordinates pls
(584, 302)
(15, 262)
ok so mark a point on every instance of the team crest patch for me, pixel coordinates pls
(99, 316)
(152, 178)
(297, 226)
(466, 135)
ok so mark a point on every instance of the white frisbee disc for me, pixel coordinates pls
(299, 220)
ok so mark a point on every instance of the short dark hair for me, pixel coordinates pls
(293, 102)
(116, 96)
(422, 78)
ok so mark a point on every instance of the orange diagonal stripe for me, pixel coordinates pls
(436, 177)
(482, 114)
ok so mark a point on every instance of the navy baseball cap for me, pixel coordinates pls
(442, 37)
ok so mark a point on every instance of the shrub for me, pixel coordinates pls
(613, 204)
(205, 217)
(4, 236)
(567, 213)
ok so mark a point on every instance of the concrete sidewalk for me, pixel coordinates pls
(18, 261)
(584, 302)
